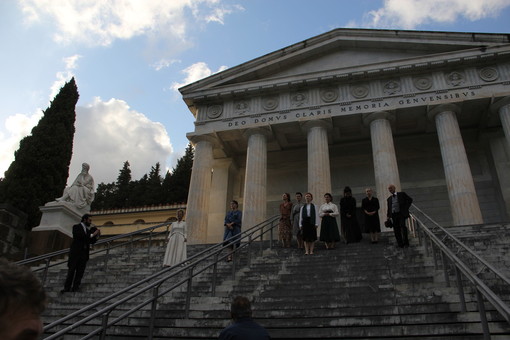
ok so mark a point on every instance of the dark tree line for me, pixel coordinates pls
(40, 168)
(151, 189)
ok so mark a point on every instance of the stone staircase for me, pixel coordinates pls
(491, 242)
(357, 291)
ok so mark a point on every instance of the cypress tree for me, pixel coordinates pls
(181, 176)
(166, 188)
(153, 190)
(122, 187)
(104, 197)
(138, 192)
(40, 168)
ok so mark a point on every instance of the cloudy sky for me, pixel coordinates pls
(129, 57)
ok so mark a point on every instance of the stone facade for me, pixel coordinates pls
(426, 111)
(114, 222)
(13, 232)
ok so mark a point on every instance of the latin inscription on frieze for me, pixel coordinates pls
(350, 108)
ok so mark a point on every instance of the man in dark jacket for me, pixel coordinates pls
(243, 328)
(83, 237)
(398, 210)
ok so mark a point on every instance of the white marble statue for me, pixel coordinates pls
(81, 192)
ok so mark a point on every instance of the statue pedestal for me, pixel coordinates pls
(55, 232)
(59, 216)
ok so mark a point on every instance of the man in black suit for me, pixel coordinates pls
(83, 237)
(398, 210)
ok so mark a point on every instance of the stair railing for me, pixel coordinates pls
(101, 246)
(153, 286)
(435, 239)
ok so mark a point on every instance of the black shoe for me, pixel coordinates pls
(65, 291)
(77, 289)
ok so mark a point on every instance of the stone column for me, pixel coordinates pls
(503, 108)
(197, 209)
(255, 191)
(221, 195)
(500, 148)
(319, 171)
(385, 159)
(459, 181)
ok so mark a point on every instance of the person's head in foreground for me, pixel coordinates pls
(22, 300)
(240, 308)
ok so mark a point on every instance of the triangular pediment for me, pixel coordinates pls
(346, 51)
(347, 59)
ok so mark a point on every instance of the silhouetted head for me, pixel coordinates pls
(240, 308)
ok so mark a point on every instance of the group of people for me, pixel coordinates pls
(303, 218)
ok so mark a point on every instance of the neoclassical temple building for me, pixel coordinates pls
(426, 111)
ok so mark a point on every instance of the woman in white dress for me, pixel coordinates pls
(176, 247)
(329, 228)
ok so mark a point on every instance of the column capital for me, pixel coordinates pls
(309, 124)
(370, 117)
(264, 131)
(500, 103)
(434, 111)
(194, 139)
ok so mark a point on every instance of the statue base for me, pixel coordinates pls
(55, 231)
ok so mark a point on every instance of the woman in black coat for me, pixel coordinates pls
(350, 227)
(370, 207)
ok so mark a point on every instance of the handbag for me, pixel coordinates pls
(388, 224)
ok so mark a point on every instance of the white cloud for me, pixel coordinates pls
(109, 133)
(16, 127)
(195, 72)
(409, 14)
(71, 63)
(101, 22)
(164, 63)
(218, 14)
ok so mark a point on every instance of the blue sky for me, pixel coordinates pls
(129, 56)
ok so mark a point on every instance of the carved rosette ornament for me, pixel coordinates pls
(214, 111)
(455, 78)
(298, 99)
(359, 91)
(329, 94)
(391, 87)
(422, 83)
(488, 73)
(270, 103)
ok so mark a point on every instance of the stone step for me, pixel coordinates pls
(355, 291)
(334, 331)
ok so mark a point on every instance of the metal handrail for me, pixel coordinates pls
(109, 242)
(198, 261)
(462, 270)
(459, 243)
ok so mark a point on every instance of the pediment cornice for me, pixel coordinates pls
(385, 70)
